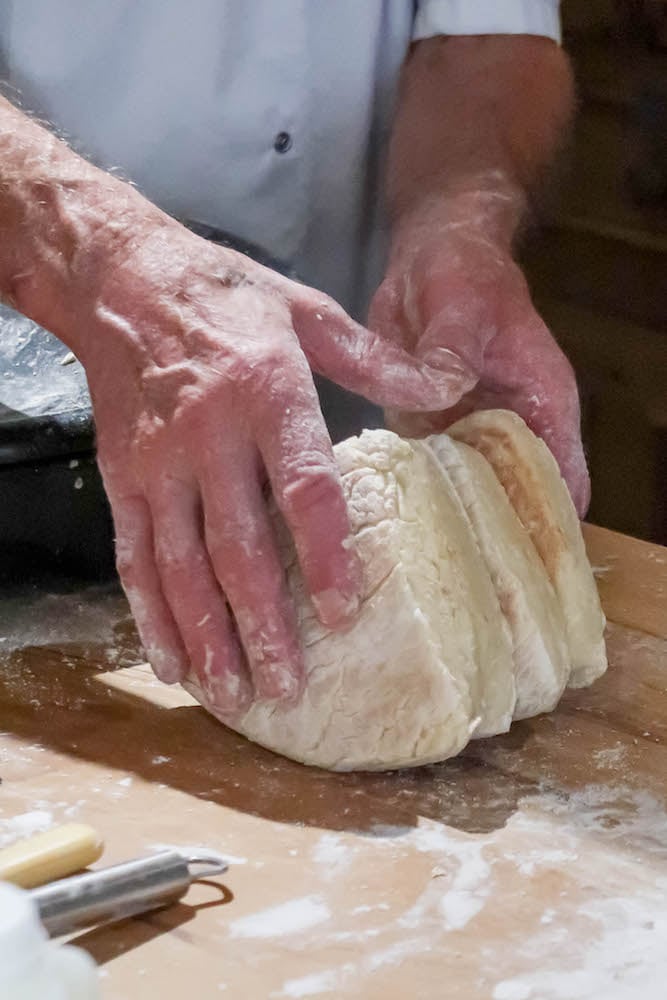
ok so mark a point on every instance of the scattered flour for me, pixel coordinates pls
(24, 825)
(610, 757)
(310, 986)
(618, 814)
(470, 888)
(291, 917)
(612, 944)
(332, 854)
(626, 959)
(87, 617)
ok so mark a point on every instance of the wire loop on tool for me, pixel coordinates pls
(216, 864)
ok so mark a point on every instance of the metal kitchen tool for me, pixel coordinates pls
(123, 890)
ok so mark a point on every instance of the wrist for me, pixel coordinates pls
(64, 234)
(486, 206)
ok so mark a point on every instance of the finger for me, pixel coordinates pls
(574, 469)
(386, 316)
(546, 399)
(243, 549)
(135, 560)
(457, 338)
(542, 389)
(197, 603)
(305, 479)
(555, 418)
(372, 365)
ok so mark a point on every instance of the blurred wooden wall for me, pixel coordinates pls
(599, 268)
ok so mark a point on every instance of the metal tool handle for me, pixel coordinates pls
(122, 890)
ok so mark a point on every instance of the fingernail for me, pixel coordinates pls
(334, 608)
(229, 693)
(167, 668)
(280, 682)
(447, 362)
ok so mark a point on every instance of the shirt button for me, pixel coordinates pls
(282, 142)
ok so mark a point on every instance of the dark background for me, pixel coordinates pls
(598, 269)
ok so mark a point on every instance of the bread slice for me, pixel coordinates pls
(469, 591)
(531, 479)
(525, 594)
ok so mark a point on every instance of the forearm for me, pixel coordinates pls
(58, 216)
(478, 122)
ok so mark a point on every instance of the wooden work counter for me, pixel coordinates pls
(533, 867)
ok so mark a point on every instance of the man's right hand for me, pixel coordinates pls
(199, 366)
(198, 385)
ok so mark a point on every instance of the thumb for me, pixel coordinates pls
(366, 363)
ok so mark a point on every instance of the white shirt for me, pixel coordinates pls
(188, 98)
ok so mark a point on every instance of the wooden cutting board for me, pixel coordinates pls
(533, 867)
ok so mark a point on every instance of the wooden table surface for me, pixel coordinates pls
(533, 867)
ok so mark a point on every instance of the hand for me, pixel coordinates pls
(456, 300)
(198, 366)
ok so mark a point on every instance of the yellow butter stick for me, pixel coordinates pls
(51, 855)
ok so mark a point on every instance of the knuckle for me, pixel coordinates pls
(273, 347)
(312, 483)
(176, 560)
(233, 547)
(125, 563)
(270, 373)
(220, 549)
(130, 537)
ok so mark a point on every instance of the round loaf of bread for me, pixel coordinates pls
(427, 660)
(479, 604)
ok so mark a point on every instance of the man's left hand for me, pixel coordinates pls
(454, 298)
